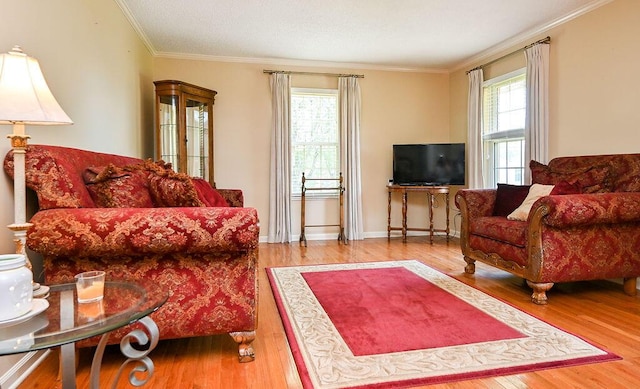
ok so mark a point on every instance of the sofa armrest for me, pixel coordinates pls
(88, 232)
(478, 202)
(587, 209)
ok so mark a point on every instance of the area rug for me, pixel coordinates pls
(401, 323)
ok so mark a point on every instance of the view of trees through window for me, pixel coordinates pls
(315, 139)
(504, 110)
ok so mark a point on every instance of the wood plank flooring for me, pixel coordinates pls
(597, 311)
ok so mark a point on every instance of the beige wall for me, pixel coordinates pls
(594, 90)
(97, 68)
(397, 107)
(101, 73)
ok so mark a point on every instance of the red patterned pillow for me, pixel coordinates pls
(508, 198)
(113, 187)
(590, 179)
(171, 189)
(208, 194)
(565, 188)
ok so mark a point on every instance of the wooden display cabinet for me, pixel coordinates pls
(184, 127)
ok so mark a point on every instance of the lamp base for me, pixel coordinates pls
(20, 238)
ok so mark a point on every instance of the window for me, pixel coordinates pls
(504, 110)
(315, 140)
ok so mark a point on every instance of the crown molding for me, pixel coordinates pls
(301, 63)
(136, 26)
(528, 35)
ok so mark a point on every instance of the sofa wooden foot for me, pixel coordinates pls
(540, 289)
(630, 286)
(245, 349)
(471, 265)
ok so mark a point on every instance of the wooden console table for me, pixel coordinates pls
(432, 192)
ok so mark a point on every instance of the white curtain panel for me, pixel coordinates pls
(280, 169)
(349, 91)
(536, 129)
(474, 130)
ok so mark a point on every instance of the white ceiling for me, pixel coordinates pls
(391, 34)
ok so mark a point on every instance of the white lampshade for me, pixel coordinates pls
(24, 95)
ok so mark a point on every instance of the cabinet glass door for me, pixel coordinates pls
(197, 128)
(184, 127)
(168, 118)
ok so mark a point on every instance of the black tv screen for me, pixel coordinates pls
(429, 164)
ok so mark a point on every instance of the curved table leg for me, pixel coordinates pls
(143, 364)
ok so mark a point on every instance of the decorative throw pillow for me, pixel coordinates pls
(171, 189)
(208, 194)
(113, 187)
(565, 188)
(590, 179)
(535, 192)
(508, 198)
(149, 166)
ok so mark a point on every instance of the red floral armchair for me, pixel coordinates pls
(589, 230)
(140, 220)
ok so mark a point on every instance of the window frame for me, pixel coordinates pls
(296, 193)
(491, 139)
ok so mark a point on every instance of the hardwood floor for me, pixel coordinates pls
(598, 311)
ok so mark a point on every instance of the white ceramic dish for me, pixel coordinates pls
(39, 305)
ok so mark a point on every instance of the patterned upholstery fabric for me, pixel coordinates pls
(569, 237)
(499, 228)
(589, 179)
(625, 168)
(205, 257)
(112, 187)
(233, 197)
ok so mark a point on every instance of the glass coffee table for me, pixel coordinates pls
(59, 320)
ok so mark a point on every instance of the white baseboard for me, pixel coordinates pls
(367, 235)
(19, 367)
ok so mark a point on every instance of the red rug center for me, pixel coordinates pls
(380, 311)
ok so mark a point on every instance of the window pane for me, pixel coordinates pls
(501, 154)
(314, 138)
(515, 157)
(504, 110)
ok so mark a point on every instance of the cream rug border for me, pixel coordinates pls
(331, 364)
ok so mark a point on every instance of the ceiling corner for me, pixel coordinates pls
(136, 26)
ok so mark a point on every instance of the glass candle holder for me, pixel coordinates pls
(90, 286)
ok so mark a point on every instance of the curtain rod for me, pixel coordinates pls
(546, 40)
(314, 73)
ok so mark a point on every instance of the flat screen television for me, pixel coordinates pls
(429, 164)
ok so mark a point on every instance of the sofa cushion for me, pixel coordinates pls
(508, 198)
(509, 253)
(55, 174)
(171, 189)
(565, 188)
(167, 188)
(591, 179)
(208, 194)
(500, 229)
(535, 192)
(113, 187)
(627, 170)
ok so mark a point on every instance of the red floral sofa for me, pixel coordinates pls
(140, 220)
(589, 230)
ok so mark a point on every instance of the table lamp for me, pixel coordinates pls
(25, 99)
